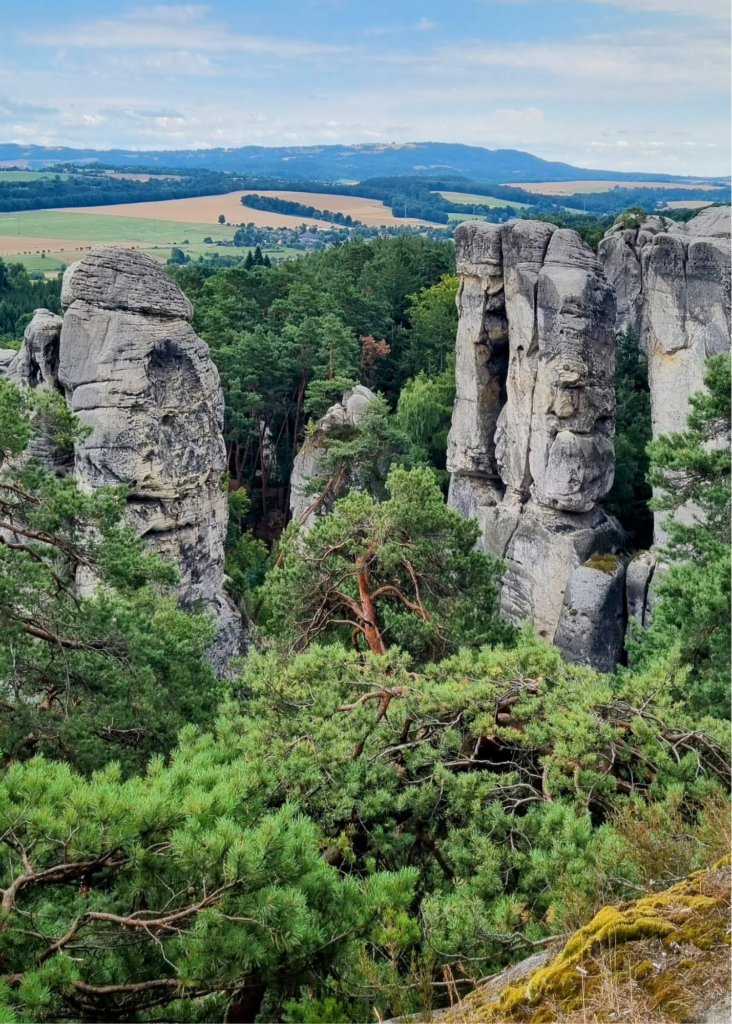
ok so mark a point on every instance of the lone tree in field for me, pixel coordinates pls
(401, 572)
(222, 219)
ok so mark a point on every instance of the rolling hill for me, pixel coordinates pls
(335, 163)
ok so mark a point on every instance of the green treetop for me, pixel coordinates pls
(85, 678)
(398, 572)
(692, 616)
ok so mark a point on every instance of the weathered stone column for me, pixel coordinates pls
(131, 366)
(674, 280)
(552, 440)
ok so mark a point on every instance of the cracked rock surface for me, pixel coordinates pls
(308, 468)
(131, 366)
(530, 449)
(673, 287)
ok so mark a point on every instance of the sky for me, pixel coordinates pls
(629, 85)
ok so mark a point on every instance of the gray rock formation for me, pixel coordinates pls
(592, 623)
(673, 287)
(37, 360)
(308, 467)
(132, 368)
(530, 449)
(34, 365)
(638, 578)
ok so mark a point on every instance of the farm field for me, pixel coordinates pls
(83, 225)
(49, 239)
(28, 175)
(458, 218)
(207, 209)
(371, 212)
(568, 188)
(688, 204)
(466, 198)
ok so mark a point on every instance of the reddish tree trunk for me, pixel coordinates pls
(371, 629)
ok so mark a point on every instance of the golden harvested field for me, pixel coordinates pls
(13, 245)
(568, 188)
(687, 204)
(201, 210)
(371, 212)
(207, 209)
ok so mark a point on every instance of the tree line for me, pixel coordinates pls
(274, 205)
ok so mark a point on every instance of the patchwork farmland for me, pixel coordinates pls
(48, 239)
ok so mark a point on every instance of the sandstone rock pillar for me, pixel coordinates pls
(131, 366)
(532, 475)
(673, 283)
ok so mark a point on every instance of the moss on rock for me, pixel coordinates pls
(603, 563)
(665, 954)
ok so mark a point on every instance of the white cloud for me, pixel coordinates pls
(424, 25)
(530, 115)
(717, 10)
(670, 59)
(10, 109)
(169, 28)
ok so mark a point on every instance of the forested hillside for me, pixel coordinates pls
(395, 793)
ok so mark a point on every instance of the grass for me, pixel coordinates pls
(472, 199)
(53, 262)
(95, 227)
(28, 175)
(458, 218)
(47, 264)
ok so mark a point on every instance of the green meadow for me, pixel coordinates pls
(98, 227)
(470, 199)
(28, 175)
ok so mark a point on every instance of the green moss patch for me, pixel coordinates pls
(666, 956)
(603, 563)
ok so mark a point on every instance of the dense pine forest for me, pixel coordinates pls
(384, 805)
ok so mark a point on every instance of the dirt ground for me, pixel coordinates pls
(207, 209)
(12, 245)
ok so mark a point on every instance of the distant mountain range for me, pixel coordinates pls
(336, 163)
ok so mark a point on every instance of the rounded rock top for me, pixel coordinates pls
(111, 277)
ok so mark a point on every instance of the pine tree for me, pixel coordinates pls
(86, 679)
(399, 572)
(692, 616)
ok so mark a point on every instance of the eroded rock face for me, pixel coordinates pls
(130, 365)
(638, 580)
(673, 287)
(530, 450)
(591, 626)
(36, 365)
(308, 467)
(37, 360)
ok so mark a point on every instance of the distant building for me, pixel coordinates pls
(308, 238)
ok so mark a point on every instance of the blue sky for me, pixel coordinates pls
(618, 84)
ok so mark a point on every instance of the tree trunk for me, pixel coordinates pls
(245, 1004)
(263, 464)
(371, 629)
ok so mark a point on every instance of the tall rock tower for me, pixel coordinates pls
(530, 450)
(131, 366)
(673, 287)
